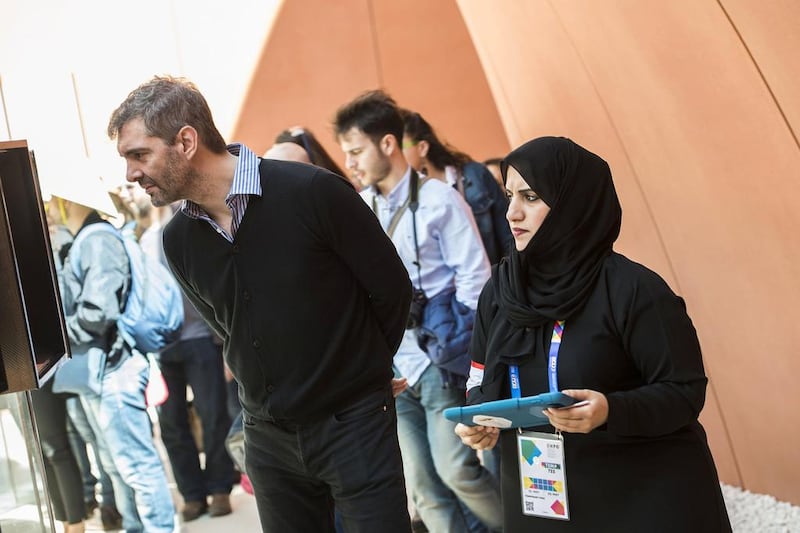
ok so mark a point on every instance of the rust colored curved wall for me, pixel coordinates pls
(321, 54)
(769, 32)
(694, 114)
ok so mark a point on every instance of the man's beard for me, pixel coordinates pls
(173, 180)
(383, 167)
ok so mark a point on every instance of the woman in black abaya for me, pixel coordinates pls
(635, 456)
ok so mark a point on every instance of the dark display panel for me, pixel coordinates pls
(32, 333)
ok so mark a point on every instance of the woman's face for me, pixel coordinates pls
(526, 211)
(412, 150)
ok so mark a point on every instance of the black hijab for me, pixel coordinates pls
(554, 275)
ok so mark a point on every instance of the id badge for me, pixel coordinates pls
(543, 479)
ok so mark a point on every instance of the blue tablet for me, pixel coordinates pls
(510, 413)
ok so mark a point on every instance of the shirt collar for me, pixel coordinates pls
(398, 194)
(246, 178)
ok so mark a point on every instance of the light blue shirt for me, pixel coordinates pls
(246, 182)
(451, 253)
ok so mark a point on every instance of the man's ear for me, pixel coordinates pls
(187, 140)
(388, 144)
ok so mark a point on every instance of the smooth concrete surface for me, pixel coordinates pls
(243, 519)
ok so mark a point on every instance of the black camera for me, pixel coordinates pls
(415, 313)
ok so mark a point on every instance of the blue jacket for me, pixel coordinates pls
(93, 300)
(489, 206)
(445, 336)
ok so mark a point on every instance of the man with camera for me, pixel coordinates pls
(436, 237)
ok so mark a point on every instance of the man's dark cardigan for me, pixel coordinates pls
(311, 298)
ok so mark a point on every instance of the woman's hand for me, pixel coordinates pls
(590, 412)
(478, 437)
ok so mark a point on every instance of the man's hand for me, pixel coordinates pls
(398, 386)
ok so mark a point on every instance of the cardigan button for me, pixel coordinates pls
(270, 388)
(236, 248)
(256, 344)
(246, 295)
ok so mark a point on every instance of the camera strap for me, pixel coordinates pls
(395, 218)
(412, 203)
(414, 185)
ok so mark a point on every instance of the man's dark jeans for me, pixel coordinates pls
(351, 458)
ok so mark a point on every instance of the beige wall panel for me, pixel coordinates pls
(538, 81)
(318, 55)
(429, 64)
(715, 167)
(542, 88)
(771, 31)
(701, 130)
(718, 437)
(321, 54)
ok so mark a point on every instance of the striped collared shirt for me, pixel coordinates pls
(246, 182)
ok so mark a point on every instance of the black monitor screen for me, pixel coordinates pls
(32, 333)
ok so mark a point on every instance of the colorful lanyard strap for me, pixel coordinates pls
(552, 363)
